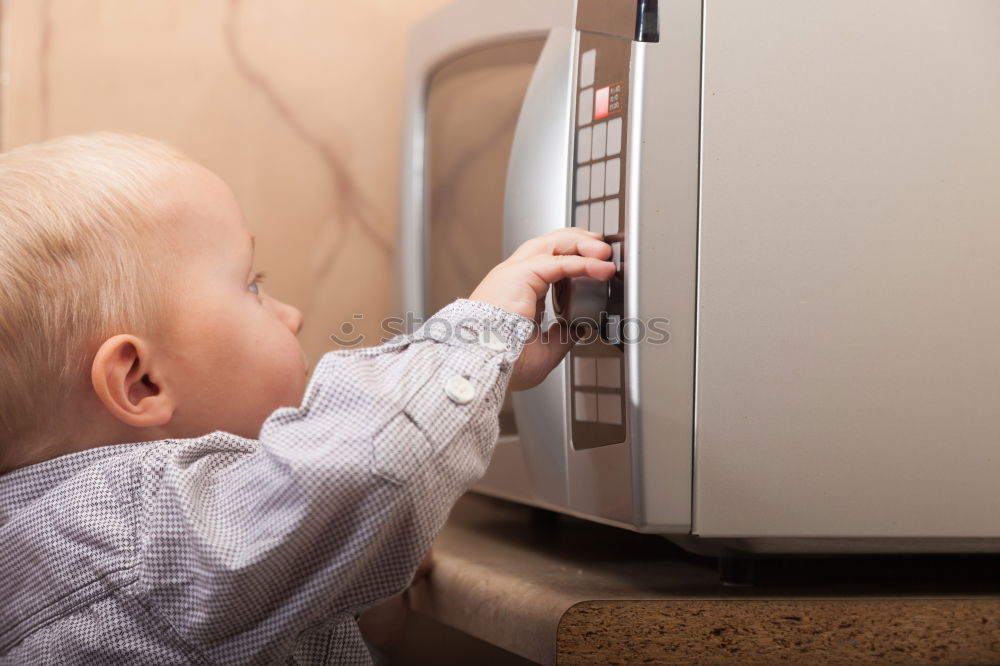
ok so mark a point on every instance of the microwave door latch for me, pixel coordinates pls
(636, 20)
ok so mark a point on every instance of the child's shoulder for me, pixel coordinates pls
(120, 468)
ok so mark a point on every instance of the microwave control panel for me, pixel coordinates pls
(597, 362)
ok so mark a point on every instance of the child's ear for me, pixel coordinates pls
(129, 388)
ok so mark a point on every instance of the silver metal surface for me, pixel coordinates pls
(713, 547)
(660, 268)
(536, 202)
(848, 347)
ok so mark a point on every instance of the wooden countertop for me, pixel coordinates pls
(554, 589)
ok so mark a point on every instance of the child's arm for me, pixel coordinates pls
(247, 545)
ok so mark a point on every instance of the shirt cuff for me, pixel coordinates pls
(465, 322)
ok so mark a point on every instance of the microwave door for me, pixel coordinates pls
(469, 68)
(536, 202)
(458, 29)
(582, 467)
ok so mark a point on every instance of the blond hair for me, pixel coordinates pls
(76, 217)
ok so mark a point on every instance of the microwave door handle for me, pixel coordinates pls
(536, 201)
(536, 198)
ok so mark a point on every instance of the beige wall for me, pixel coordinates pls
(297, 105)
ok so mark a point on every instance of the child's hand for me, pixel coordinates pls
(520, 283)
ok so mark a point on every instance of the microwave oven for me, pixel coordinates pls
(801, 350)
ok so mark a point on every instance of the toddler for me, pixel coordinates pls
(174, 488)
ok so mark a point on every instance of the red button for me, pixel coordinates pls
(601, 102)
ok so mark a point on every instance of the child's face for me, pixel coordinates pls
(231, 351)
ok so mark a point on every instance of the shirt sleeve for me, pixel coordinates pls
(245, 544)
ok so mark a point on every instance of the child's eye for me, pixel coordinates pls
(254, 286)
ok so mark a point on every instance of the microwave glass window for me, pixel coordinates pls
(473, 103)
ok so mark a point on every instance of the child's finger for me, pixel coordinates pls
(552, 268)
(565, 241)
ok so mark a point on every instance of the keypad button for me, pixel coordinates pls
(612, 183)
(597, 217)
(614, 136)
(600, 141)
(586, 406)
(614, 329)
(583, 145)
(597, 178)
(585, 109)
(601, 99)
(588, 63)
(609, 372)
(616, 255)
(583, 183)
(609, 408)
(584, 371)
(582, 218)
(611, 217)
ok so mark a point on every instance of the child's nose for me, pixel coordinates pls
(290, 316)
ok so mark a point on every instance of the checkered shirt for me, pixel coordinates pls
(225, 550)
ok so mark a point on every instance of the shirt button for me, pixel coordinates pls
(459, 389)
(492, 341)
